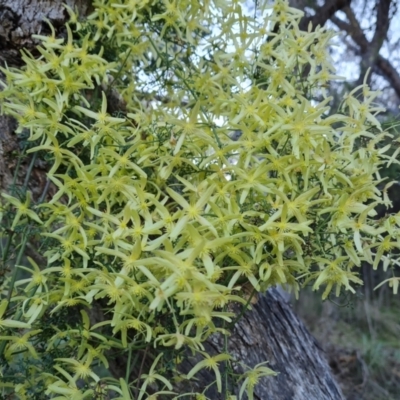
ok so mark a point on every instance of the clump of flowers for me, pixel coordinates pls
(194, 152)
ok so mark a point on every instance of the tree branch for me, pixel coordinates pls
(389, 72)
(382, 24)
(322, 14)
(384, 67)
(354, 29)
(371, 51)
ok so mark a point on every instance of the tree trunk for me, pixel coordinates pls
(269, 332)
(272, 332)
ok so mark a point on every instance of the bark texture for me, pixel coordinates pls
(20, 19)
(270, 331)
(8, 145)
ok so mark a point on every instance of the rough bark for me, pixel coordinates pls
(271, 331)
(8, 145)
(20, 19)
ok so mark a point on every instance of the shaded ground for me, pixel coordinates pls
(361, 340)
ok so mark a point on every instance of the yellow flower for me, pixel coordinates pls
(210, 363)
(22, 208)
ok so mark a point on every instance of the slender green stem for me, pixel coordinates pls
(281, 152)
(244, 309)
(45, 190)
(211, 124)
(225, 387)
(119, 70)
(12, 283)
(128, 365)
(29, 171)
(140, 372)
(173, 314)
(24, 241)
(17, 262)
